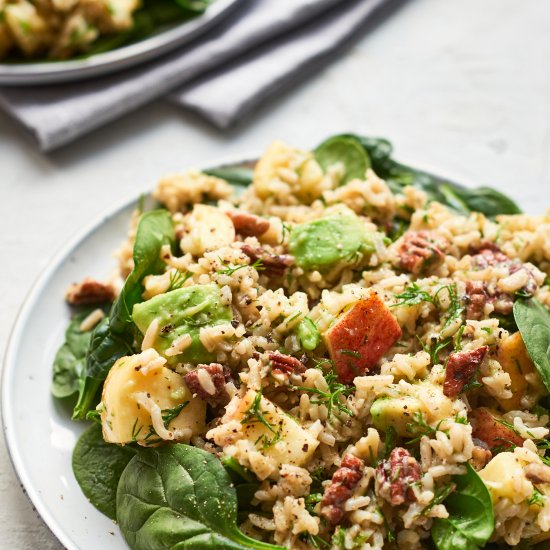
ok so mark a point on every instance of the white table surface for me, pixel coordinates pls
(462, 86)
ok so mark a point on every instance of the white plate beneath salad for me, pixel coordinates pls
(39, 432)
(118, 59)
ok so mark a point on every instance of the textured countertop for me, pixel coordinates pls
(462, 87)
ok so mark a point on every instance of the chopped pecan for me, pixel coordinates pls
(208, 381)
(420, 250)
(394, 477)
(476, 291)
(285, 363)
(489, 257)
(489, 428)
(89, 291)
(479, 294)
(485, 245)
(461, 368)
(537, 473)
(342, 484)
(531, 286)
(248, 225)
(480, 457)
(274, 264)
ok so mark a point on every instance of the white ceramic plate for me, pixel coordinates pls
(118, 59)
(39, 433)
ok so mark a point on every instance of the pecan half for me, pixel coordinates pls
(208, 381)
(395, 475)
(537, 473)
(344, 480)
(285, 363)
(461, 368)
(420, 250)
(89, 291)
(248, 225)
(480, 457)
(479, 294)
(275, 264)
(491, 257)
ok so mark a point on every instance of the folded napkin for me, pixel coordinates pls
(261, 47)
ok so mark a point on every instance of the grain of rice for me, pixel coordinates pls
(91, 320)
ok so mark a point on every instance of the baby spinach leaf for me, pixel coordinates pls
(471, 518)
(533, 321)
(97, 466)
(70, 358)
(114, 336)
(155, 229)
(347, 151)
(245, 482)
(482, 199)
(235, 175)
(178, 497)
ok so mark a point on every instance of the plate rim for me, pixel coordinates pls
(14, 339)
(125, 57)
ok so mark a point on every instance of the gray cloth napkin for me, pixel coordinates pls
(261, 47)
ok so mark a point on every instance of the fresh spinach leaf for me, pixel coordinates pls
(471, 518)
(245, 482)
(482, 199)
(237, 473)
(70, 358)
(347, 151)
(239, 176)
(179, 497)
(533, 321)
(114, 337)
(155, 229)
(97, 466)
(506, 322)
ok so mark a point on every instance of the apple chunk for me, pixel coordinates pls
(361, 336)
(488, 426)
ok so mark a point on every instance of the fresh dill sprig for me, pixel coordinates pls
(414, 295)
(316, 541)
(440, 495)
(255, 415)
(285, 231)
(536, 498)
(331, 397)
(258, 265)
(436, 348)
(390, 441)
(420, 427)
(458, 338)
(135, 430)
(178, 279)
(169, 414)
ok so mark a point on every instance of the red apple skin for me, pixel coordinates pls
(488, 429)
(361, 337)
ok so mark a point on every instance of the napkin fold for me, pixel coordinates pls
(258, 49)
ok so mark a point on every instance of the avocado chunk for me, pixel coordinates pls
(339, 238)
(183, 311)
(398, 413)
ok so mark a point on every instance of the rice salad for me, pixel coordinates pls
(357, 361)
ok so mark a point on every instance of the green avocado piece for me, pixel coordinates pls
(338, 238)
(183, 311)
(398, 413)
(347, 151)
